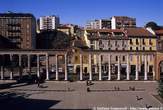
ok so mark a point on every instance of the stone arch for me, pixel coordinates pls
(159, 60)
(161, 69)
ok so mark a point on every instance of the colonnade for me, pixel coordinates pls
(128, 67)
(90, 65)
(38, 65)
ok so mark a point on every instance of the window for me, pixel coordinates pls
(109, 48)
(76, 58)
(123, 58)
(131, 41)
(150, 48)
(116, 48)
(123, 44)
(150, 42)
(116, 58)
(101, 58)
(115, 43)
(108, 42)
(100, 42)
(143, 48)
(137, 42)
(137, 48)
(143, 42)
(123, 48)
(130, 48)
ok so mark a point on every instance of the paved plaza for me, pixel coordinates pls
(74, 95)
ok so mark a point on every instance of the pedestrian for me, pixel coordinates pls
(38, 81)
(88, 89)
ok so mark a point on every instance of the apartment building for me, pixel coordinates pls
(118, 22)
(19, 28)
(99, 24)
(49, 22)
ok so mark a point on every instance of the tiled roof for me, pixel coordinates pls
(138, 32)
(158, 32)
(104, 30)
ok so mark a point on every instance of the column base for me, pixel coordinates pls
(65, 79)
(136, 79)
(81, 79)
(118, 78)
(109, 79)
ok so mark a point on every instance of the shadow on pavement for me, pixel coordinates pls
(26, 80)
(14, 101)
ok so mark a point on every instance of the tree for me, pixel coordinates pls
(160, 88)
(53, 40)
(152, 25)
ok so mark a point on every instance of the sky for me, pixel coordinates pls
(81, 11)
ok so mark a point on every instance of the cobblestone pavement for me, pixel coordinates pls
(74, 95)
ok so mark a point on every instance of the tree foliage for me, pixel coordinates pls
(53, 40)
(153, 25)
(160, 88)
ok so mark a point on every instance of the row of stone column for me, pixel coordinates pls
(56, 66)
(81, 67)
(38, 66)
(138, 66)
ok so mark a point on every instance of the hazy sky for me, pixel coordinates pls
(80, 11)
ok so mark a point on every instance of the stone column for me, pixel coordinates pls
(65, 67)
(145, 67)
(29, 64)
(118, 77)
(136, 74)
(11, 68)
(140, 63)
(109, 67)
(128, 68)
(2, 72)
(81, 67)
(100, 71)
(56, 67)
(47, 67)
(38, 65)
(154, 74)
(90, 68)
(20, 66)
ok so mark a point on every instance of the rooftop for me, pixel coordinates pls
(11, 14)
(138, 32)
